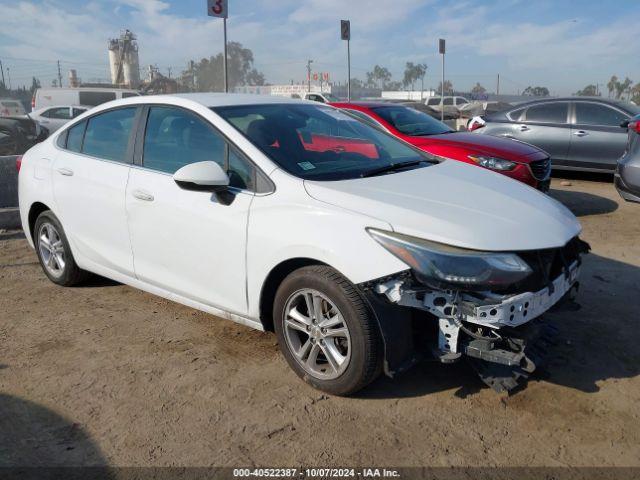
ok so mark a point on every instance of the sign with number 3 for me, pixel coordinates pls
(218, 8)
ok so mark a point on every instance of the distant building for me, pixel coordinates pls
(123, 60)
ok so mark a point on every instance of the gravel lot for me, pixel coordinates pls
(105, 374)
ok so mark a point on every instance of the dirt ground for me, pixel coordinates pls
(105, 374)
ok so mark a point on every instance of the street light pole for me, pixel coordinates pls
(226, 68)
(442, 48)
(309, 62)
(348, 70)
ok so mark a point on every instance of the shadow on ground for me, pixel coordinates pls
(583, 204)
(601, 177)
(35, 439)
(11, 235)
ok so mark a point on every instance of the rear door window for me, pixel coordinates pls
(596, 114)
(108, 134)
(555, 112)
(448, 101)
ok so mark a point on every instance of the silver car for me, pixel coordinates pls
(627, 177)
(579, 133)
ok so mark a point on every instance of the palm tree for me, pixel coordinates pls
(613, 83)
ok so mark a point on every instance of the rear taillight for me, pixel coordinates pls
(635, 126)
(33, 102)
(19, 162)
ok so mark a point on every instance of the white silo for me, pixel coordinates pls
(114, 60)
(123, 60)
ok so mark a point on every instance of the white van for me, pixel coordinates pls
(89, 96)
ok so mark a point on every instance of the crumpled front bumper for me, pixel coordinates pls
(499, 333)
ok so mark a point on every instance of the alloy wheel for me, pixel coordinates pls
(317, 334)
(51, 249)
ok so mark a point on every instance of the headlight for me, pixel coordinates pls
(443, 266)
(493, 163)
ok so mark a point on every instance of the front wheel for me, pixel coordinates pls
(326, 332)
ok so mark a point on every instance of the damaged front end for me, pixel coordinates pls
(485, 306)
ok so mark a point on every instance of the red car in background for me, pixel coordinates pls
(512, 158)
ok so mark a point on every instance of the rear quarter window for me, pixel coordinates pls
(515, 115)
(73, 139)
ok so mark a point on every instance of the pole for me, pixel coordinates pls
(226, 72)
(2, 70)
(9, 77)
(498, 88)
(309, 62)
(348, 70)
(442, 92)
(59, 76)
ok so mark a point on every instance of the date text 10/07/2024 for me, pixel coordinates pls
(316, 472)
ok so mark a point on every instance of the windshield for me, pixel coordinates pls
(331, 98)
(317, 142)
(410, 121)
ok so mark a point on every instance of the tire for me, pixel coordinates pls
(345, 356)
(54, 252)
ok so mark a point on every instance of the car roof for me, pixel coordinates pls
(208, 100)
(65, 106)
(609, 101)
(231, 99)
(365, 104)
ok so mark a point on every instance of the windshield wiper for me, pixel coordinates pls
(391, 168)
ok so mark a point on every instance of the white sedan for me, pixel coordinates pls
(52, 118)
(361, 252)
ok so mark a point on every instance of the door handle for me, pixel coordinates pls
(140, 195)
(65, 171)
(580, 133)
(523, 128)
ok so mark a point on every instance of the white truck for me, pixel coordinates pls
(87, 96)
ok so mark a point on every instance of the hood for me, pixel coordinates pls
(456, 204)
(506, 148)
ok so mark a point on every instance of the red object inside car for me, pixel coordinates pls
(635, 126)
(532, 165)
(475, 126)
(19, 162)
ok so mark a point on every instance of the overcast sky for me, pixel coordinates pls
(561, 44)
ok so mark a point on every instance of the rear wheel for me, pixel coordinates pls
(54, 252)
(326, 332)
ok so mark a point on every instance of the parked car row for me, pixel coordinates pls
(517, 160)
(51, 109)
(362, 251)
(577, 133)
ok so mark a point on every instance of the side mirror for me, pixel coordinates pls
(625, 124)
(202, 176)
